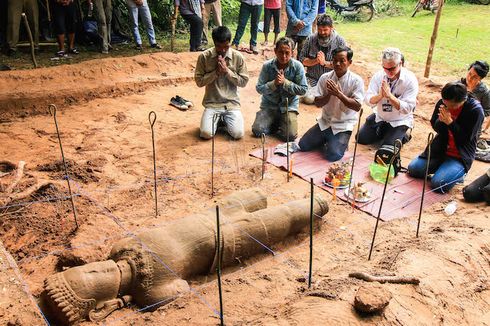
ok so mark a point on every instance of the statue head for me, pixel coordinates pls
(86, 292)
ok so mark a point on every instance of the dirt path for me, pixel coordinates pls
(106, 137)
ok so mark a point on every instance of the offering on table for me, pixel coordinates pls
(340, 172)
(358, 192)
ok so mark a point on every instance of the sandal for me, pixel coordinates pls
(60, 54)
(74, 51)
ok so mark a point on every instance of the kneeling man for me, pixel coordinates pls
(222, 70)
(392, 93)
(281, 81)
(339, 93)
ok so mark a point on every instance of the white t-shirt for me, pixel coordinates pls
(405, 90)
(335, 114)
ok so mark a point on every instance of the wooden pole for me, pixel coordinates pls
(31, 41)
(433, 39)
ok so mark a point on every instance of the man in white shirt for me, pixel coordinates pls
(392, 93)
(340, 94)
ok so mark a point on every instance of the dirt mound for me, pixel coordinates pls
(85, 172)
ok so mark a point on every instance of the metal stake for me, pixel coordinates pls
(311, 232)
(287, 135)
(31, 41)
(354, 160)
(397, 150)
(430, 138)
(52, 111)
(215, 127)
(152, 117)
(262, 138)
(218, 267)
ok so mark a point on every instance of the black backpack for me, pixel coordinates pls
(385, 153)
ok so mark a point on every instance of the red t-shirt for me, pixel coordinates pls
(452, 150)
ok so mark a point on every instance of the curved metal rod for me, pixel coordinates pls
(152, 118)
(396, 152)
(287, 137)
(215, 128)
(354, 158)
(52, 110)
(430, 138)
(262, 140)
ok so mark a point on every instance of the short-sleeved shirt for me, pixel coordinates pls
(335, 114)
(405, 89)
(310, 50)
(272, 4)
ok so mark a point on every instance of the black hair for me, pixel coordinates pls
(349, 51)
(285, 41)
(454, 91)
(481, 68)
(221, 34)
(324, 20)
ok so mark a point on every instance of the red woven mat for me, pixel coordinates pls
(403, 193)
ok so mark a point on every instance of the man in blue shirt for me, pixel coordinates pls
(301, 14)
(281, 81)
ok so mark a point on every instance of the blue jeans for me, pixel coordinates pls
(447, 172)
(245, 11)
(144, 12)
(333, 146)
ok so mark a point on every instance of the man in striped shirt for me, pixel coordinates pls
(316, 54)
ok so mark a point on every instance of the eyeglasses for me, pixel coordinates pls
(390, 69)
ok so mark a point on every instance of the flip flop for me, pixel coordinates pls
(246, 50)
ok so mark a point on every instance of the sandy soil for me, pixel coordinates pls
(103, 108)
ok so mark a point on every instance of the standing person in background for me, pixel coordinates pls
(272, 9)
(321, 11)
(301, 14)
(191, 11)
(139, 8)
(15, 10)
(104, 20)
(317, 53)
(281, 80)
(64, 20)
(213, 6)
(248, 8)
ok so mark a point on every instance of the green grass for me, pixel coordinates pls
(463, 37)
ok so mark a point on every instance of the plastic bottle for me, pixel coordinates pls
(451, 208)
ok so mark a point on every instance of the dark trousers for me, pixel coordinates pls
(299, 42)
(372, 132)
(269, 121)
(245, 11)
(15, 10)
(478, 190)
(196, 30)
(332, 146)
(64, 18)
(272, 13)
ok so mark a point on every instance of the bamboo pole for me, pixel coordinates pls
(433, 39)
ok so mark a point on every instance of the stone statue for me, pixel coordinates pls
(153, 265)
